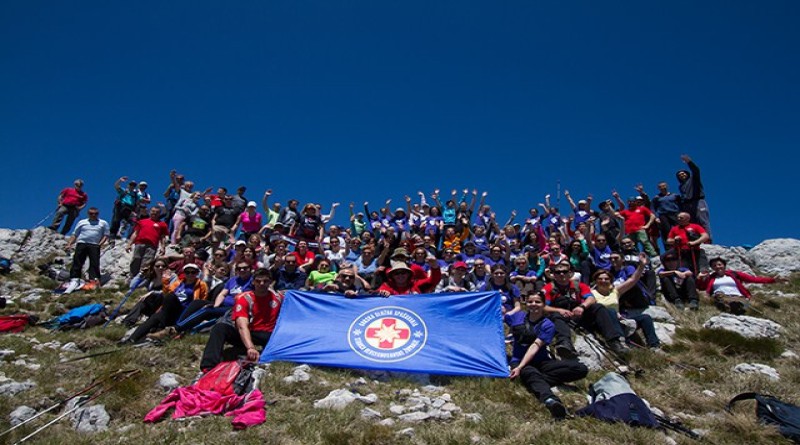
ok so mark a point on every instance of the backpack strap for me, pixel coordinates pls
(740, 397)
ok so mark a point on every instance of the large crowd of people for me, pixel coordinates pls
(208, 255)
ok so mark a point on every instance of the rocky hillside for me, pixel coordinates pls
(710, 358)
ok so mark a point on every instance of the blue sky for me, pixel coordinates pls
(352, 101)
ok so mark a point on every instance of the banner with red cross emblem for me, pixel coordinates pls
(447, 333)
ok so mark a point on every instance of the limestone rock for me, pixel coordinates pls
(415, 417)
(397, 409)
(168, 381)
(750, 327)
(776, 256)
(90, 419)
(665, 332)
(789, 355)
(757, 368)
(369, 413)
(587, 355)
(406, 432)
(737, 257)
(21, 414)
(658, 313)
(387, 422)
(709, 393)
(10, 387)
(71, 347)
(340, 398)
(6, 353)
(474, 417)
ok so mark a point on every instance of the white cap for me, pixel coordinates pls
(252, 204)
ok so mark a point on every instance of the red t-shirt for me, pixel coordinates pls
(150, 232)
(689, 232)
(576, 296)
(264, 312)
(635, 219)
(72, 197)
(309, 256)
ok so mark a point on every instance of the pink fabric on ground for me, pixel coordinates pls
(190, 401)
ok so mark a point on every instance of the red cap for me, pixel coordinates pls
(460, 264)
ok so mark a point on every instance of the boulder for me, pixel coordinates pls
(11, 388)
(588, 355)
(750, 327)
(757, 368)
(20, 414)
(415, 417)
(665, 332)
(659, 313)
(168, 381)
(340, 398)
(90, 419)
(369, 413)
(776, 256)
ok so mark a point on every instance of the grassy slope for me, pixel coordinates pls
(510, 415)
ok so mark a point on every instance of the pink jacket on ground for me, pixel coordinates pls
(190, 401)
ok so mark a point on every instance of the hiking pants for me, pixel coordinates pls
(198, 312)
(687, 291)
(595, 318)
(83, 251)
(642, 238)
(694, 260)
(645, 323)
(121, 212)
(539, 377)
(147, 306)
(142, 253)
(71, 212)
(171, 309)
(226, 333)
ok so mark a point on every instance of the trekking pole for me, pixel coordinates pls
(678, 428)
(618, 362)
(105, 384)
(671, 360)
(49, 215)
(115, 312)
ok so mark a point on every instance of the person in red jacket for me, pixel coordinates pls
(727, 286)
(70, 202)
(686, 238)
(402, 282)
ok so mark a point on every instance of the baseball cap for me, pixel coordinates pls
(143, 183)
(460, 265)
(191, 266)
(240, 243)
(252, 204)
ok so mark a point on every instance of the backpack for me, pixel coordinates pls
(613, 400)
(771, 411)
(77, 317)
(5, 265)
(14, 323)
(221, 378)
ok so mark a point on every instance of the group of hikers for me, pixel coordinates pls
(218, 261)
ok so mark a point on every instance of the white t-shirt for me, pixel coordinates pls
(726, 285)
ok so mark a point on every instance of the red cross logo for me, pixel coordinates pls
(383, 333)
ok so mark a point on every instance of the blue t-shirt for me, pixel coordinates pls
(525, 333)
(235, 287)
(185, 293)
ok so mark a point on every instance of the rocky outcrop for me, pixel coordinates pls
(746, 326)
(776, 256)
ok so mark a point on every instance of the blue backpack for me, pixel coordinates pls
(76, 317)
(613, 400)
(5, 265)
(771, 411)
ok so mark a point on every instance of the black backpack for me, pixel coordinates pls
(771, 411)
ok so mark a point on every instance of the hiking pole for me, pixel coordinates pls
(668, 424)
(39, 414)
(106, 388)
(49, 215)
(623, 368)
(671, 360)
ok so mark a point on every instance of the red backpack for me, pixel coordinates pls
(221, 378)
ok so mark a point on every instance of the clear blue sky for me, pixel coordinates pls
(362, 100)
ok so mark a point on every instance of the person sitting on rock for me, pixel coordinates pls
(177, 296)
(251, 323)
(566, 301)
(677, 283)
(633, 301)
(532, 363)
(727, 286)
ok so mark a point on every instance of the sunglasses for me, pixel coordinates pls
(561, 272)
(160, 266)
(240, 269)
(191, 272)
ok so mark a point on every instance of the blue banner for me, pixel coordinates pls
(447, 333)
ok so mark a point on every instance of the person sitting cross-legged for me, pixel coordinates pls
(251, 322)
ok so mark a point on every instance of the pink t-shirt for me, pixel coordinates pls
(251, 223)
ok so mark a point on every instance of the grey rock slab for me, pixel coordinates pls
(750, 327)
(757, 368)
(369, 413)
(20, 414)
(168, 381)
(779, 256)
(90, 419)
(415, 417)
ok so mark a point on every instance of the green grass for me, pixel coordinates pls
(699, 360)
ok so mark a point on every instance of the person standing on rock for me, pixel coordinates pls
(693, 197)
(149, 236)
(71, 201)
(88, 238)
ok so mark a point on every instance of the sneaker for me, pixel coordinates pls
(556, 408)
(694, 305)
(167, 332)
(679, 305)
(566, 353)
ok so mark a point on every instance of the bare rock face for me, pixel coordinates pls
(757, 368)
(737, 257)
(779, 256)
(746, 326)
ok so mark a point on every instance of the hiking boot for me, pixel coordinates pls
(694, 305)
(165, 333)
(556, 408)
(566, 353)
(679, 305)
(619, 347)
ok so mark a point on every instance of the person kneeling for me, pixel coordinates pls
(533, 332)
(250, 323)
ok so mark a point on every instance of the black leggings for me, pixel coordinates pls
(171, 309)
